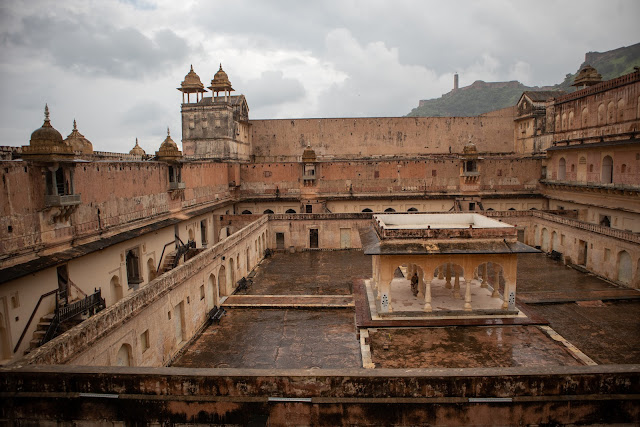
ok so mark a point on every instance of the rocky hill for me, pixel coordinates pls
(482, 97)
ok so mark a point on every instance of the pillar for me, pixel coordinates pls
(448, 273)
(496, 285)
(440, 275)
(467, 294)
(485, 276)
(456, 284)
(421, 283)
(427, 297)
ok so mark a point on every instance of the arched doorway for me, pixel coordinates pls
(192, 235)
(267, 211)
(123, 358)
(212, 292)
(222, 281)
(151, 268)
(246, 212)
(607, 170)
(389, 210)
(116, 289)
(412, 210)
(545, 240)
(367, 210)
(555, 242)
(562, 169)
(624, 267)
(290, 211)
(232, 274)
(536, 236)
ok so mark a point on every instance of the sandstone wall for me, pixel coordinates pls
(277, 140)
(113, 195)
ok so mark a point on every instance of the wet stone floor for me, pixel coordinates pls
(281, 338)
(277, 339)
(466, 347)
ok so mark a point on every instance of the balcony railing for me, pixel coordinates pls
(176, 185)
(56, 200)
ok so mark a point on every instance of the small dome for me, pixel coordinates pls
(169, 149)
(46, 135)
(78, 142)
(191, 83)
(470, 148)
(308, 155)
(220, 81)
(137, 150)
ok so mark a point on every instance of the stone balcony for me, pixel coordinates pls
(614, 188)
(176, 186)
(56, 200)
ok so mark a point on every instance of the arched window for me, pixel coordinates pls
(512, 209)
(611, 113)
(290, 211)
(123, 357)
(562, 169)
(389, 210)
(621, 110)
(564, 121)
(246, 212)
(570, 120)
(222, 281)
(601, 114)
(268, 211)
(367, 210)
(585, 117)
(116, 289)
(607, 170)
(591, 167)
(412, 210)
(573, 167)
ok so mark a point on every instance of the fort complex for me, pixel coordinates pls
(147, 263)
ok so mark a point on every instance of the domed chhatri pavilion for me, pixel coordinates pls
(192, 84)
(137, 150)
(221, 83)
(78, 142)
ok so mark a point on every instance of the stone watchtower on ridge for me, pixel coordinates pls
(215, 127)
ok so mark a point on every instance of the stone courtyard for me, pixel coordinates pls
(299, 313)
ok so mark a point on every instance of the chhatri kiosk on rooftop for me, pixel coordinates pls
(435, 248)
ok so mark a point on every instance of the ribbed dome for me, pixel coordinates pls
(192, 83)
(470, 148)
(308, 155)
(169, 149)
(78, 142)
(46, 135)
(137, 150)
(220, 82)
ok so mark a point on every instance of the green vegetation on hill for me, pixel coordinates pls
(480, 97)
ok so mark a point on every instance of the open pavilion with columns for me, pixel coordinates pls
(443, 250)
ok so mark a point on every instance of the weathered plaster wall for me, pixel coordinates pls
(114, 195)
(275, 140)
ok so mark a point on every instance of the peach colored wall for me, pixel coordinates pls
(382, 136)
(629, 156)
(114, 194)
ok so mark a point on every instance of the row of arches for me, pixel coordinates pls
(606, 169)
(268, 211)
(622, 262)
(217, 283)
(612, 112)
(425, 286)
(389, 210)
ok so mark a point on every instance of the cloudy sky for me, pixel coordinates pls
(114, 66)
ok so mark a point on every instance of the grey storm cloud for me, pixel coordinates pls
(87, 47)
(272, 88)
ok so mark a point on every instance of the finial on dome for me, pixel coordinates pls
(46, 112)
(220, 66)
(136, 140)
(74, 125)
(191, 67)
(168, 133)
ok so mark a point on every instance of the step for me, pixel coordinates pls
(39, 334)
(47, 317)
(42, 326)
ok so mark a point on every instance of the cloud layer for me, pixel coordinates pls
(114, 65)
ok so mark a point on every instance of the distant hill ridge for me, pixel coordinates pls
(482, 97)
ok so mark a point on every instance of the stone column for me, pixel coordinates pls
(485, 276)
(467, 294)
(448, 275)
(427, 297)
(496, 285)
(421, 283)
(440, 275)
(456, 284)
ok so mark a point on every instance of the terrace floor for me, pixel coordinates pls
(278, 330)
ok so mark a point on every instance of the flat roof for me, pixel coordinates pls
(437, 221)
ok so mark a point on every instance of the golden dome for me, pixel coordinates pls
(191, 83)
(470, 148)
(137, 150)
(587, 76)
(46, 135)
(168, 149)
(220, 82)
(78, 142)
(308, 155)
